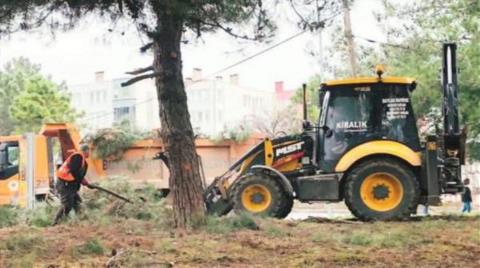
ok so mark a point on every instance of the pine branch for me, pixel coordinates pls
(146, 47)
(214, 23)
(141, 70)
(139, 78)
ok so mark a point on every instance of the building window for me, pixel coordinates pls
(122, 114)
(207, 116)
(98, 95)
(200, 116)
(220, 95)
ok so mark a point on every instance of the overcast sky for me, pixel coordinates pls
(75, 56)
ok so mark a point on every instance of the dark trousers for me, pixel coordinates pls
(69, 197)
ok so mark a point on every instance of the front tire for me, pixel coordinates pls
(381, 190)
(259, 194)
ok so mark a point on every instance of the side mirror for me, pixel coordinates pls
(3, 157)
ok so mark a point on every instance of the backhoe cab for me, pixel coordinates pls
(364, 149)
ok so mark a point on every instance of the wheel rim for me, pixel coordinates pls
(256, 198)
(381, 191)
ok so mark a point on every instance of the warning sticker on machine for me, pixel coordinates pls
(396, 108)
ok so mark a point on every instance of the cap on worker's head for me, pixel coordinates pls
(84, 147)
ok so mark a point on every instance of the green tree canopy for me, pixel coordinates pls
(13, 80)
(415, 31)
(313, 87)
(425, 25)
(41, 101)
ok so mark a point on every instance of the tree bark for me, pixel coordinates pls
(176, 129)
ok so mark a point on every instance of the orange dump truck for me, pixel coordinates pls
(27, 162)
(27, 165)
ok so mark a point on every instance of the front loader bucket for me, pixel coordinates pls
(215, 203)
(219, 207)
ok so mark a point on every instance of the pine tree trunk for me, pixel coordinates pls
(176, 129)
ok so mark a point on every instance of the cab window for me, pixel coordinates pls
(9, 160)
(12, 155)
(397, 118)
(349, 120)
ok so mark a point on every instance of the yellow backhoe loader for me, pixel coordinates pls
(364, 149)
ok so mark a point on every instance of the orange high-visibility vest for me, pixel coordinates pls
(63, 172)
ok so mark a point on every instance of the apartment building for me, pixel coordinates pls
(105, 103)
(215, 104)
(220, 103)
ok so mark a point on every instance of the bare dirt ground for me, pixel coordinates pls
(436, 241)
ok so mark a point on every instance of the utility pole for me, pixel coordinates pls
(348, 34)
(320, 43)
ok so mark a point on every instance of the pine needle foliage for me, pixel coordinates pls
(111, 143)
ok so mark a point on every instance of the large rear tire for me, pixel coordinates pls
(381, 190)
(286, 207)
(259, 194)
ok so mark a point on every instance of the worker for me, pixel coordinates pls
(71, 175)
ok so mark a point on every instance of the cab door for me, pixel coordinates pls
(11, 184)
(348, 120)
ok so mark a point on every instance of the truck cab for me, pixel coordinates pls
(372, 112)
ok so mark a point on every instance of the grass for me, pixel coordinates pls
(90, 247)
(98, 207)
(41, 216)
(319, 237)
(8, 216)
(248, 241)
(358, 239)
(225, 225)
(23, 243)
(142, 235)
(274, 231)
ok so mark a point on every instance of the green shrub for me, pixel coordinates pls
(8, 216)
(41, 216)
(111, 143)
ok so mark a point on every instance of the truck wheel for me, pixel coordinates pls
(381, 190)
(259, 194)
